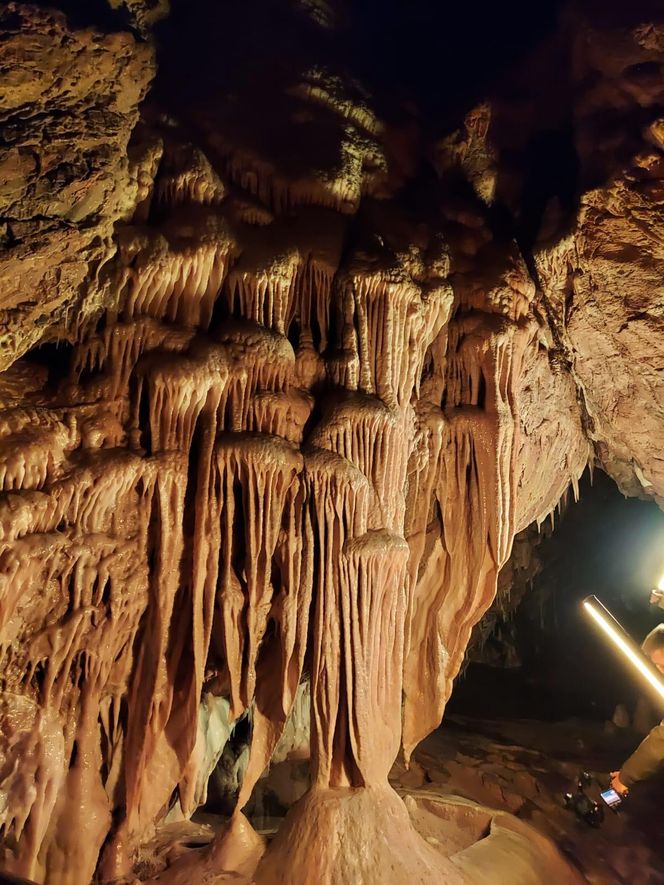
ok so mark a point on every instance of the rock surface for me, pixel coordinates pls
(308, 391)
(68, 104)
(524, 768)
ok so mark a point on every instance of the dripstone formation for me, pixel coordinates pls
(279, 388)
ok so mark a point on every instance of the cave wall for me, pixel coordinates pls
(280, 386)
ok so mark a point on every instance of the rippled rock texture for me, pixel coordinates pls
(279, 390)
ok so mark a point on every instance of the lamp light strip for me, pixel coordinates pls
(629, 653)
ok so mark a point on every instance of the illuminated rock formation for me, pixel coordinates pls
(69, 103)
(305, 405)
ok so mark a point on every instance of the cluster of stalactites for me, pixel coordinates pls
(186, 176)
(339, 496)
(377, 441)
(339, 189)
(195, 363)
(466, 456)
(292, 289)
(33, 447)
(83, 497)
(358, 628)
(372, 613)
(180, 285)
(247, 485)
(213, 246)
(115, 351)
(396, 322)
(242, 382)
(265, 469)
(74, 591)
(207, 398)
(88, 577)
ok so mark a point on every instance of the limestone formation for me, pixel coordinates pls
(276, 400)
(68, 104)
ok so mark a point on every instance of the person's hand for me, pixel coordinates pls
(617, 784)
(657, 598)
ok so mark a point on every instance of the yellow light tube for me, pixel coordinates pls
(626, 645)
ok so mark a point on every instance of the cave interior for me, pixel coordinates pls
(331, 383)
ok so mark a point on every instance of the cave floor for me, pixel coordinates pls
(526, 766)
(520, 766)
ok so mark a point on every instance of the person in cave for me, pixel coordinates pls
(648, 758)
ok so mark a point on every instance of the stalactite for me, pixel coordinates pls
(372, 612)
(339, 495)
(423, 475)
(152, 691)
(396, 323)
(281, 661)
(265, 468)
(375, 440)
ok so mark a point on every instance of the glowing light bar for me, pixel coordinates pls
(660, 586)
(627, 646)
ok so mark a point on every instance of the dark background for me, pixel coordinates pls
(604, 545)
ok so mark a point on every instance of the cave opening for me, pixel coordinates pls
(55, 358)
(535, 654)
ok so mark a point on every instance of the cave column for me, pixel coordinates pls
(351, 826)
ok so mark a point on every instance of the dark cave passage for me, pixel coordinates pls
(552, 662)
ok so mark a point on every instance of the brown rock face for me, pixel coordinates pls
(142, 14)
(308, 397)
(604, 279)
(68, 104)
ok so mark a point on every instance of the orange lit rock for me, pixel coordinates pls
(69, 101)
(307, 399)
